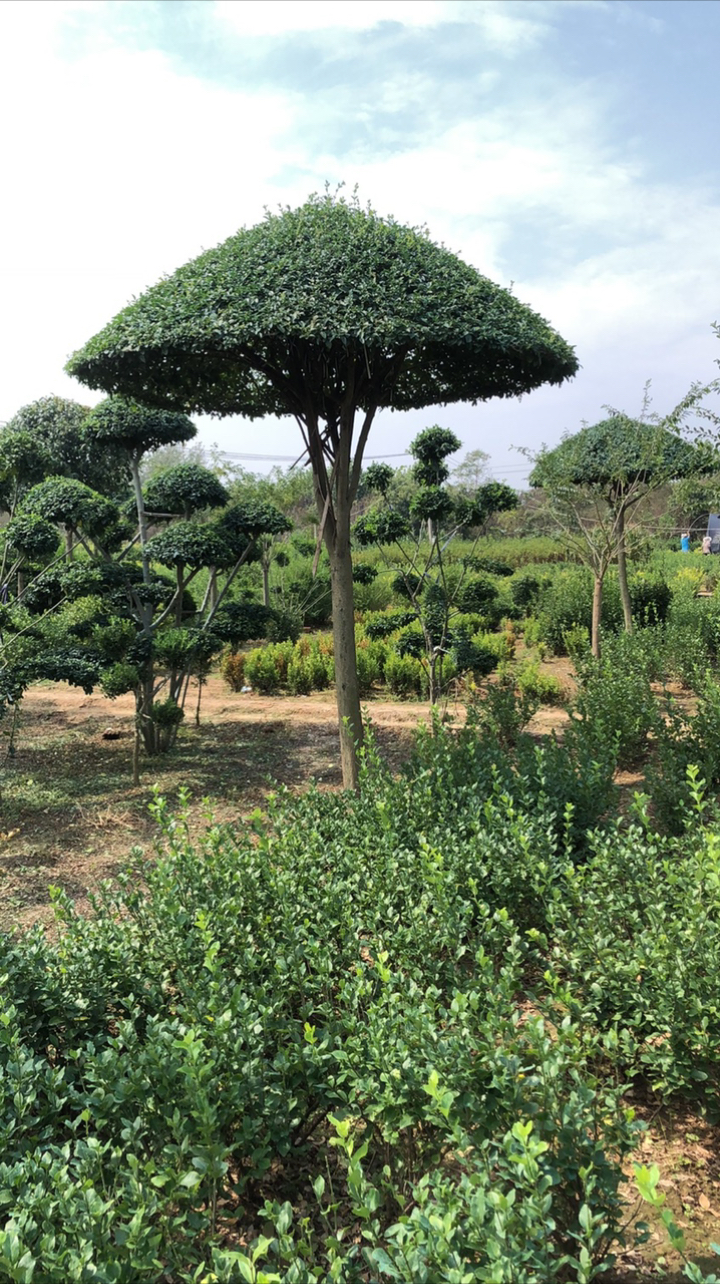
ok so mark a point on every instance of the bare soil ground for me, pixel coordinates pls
(69, 815)
(686, 1149)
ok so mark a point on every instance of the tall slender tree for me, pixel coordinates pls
(326, 313)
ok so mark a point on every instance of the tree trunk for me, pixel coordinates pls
(179, 580)
(335, 490)
(148, 730)
(432, 680)
(622, 572)
(596, 611)
(266, 577)
(346, 680)
(137, 738)
(69, 543)
(142, 518)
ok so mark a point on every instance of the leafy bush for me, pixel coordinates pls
(405, 676)
(368, 668)
(526, 587)
(385, 623)
(576, 641)
(615, 700)
(266, 667)
(478, 594)
(500, 645)
(536, 684)
(167, 713)
(686, 743)
(406, 1010)
(505, 711)
(650, 597)
(637, 936)
(232, 668)
(345, 970)
(299, 677)
(567, 603)
(376, 596)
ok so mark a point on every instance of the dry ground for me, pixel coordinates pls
(69, 816)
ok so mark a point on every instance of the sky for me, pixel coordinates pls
(569, 147)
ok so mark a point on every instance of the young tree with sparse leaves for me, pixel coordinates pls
(595, 480)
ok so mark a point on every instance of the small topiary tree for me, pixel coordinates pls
(105, 620)
(183, 490)
(433, 634)
(135, 430)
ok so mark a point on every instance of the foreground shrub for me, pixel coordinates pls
(687, 749)
(407, 1010)
(616, 702)
(186, 1050)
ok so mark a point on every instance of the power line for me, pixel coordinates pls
(291, 459)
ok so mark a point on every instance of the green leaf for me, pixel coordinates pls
(380, 1259)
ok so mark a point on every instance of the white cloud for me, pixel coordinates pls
(506, 25)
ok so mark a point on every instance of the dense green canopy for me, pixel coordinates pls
(72, 504)
(618, 450)
(282, 306)
(189, 544)
(137, 428)
(62, 445)
(31, 535)
(185, 489)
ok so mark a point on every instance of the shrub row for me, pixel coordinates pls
(372, 1036)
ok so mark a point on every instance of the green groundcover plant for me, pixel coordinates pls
(365, 1036)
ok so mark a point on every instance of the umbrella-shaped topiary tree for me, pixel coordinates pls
(596, 477)
(326, 313)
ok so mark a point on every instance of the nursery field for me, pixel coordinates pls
(462, 1025)
(293, 993)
